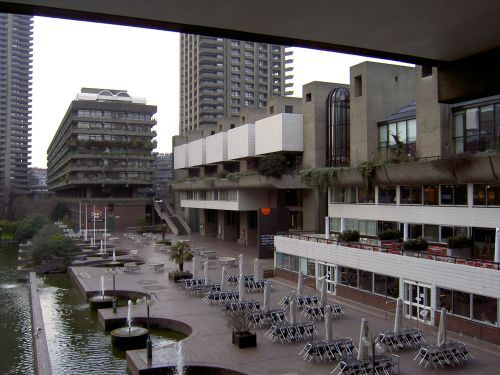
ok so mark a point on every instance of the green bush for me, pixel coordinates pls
(273, 165)
(390, 234)
(50, 242)
(180, 252)
(460, 242)
(27, 227)
(59, 211)
(349, 236)
(7, 229)
(416, 244)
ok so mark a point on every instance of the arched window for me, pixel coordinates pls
(337, 121)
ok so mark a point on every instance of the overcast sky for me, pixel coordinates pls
(69, 55)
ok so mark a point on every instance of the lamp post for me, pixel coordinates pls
(114, 290)
(149, 300)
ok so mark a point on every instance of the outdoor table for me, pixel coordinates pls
(202, 289)
(451, 353)
(227, 261)
(234, 279)
(286, 332)
(406, 338)
(352, 366)
(209, 254)
(220, 296)
(131, 267)
(157, 267)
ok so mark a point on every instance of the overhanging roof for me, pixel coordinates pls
(425, 31)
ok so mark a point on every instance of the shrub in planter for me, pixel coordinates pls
(459, 242)
(180, 253)
(179, 275)
(417, 244)
(239, 322)
(390, 234)
(349, 236)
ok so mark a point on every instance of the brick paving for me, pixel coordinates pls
(210, 341)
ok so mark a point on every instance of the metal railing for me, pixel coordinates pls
(396, 249)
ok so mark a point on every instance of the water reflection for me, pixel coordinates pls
(76, 341)
(16, 354)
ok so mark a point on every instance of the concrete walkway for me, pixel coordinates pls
(210, 341)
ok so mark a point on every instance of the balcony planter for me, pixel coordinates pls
(463, 252)
(460, 246)
(495, 163)
(416, 173)
(244, 339)
(477, 169)
(349, 177)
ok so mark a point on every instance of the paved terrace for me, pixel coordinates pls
(210, 341)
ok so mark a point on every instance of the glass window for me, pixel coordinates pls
(365, 195)
(412, 131)
(311, 268)
(410, 194)
(446, 194)
(446, 232)
(294, 263)
(460, 195)
(461, 304)
(387, 194)
(349, 276)
(445, 299)
(484, 309)
(335, 224)
(431, 232)
(431, 195)
(392, 287)
(479, 195)
(414, 230)
(365, 280)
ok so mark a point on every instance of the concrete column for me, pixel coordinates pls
(470, 195)
(342, 224)
(405, 232)
(327, 227)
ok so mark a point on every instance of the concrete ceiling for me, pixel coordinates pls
(425, 31)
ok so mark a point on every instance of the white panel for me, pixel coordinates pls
(246, 201)
(213, 205)
(216, 148)
(241, 142)
(281, 132)
(465, 278)
(486, 217)
(196, 153)
(180, 156)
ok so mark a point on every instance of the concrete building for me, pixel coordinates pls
(101, 154)
(16, 35)
(37, 178)
(423, 169)
(219, 178)
(220, 77)
(162, 173)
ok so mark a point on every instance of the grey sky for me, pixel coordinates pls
(69, 55)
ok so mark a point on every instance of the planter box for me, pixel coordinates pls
(349, 177)
(464, 252)
(479, 169)
(177, 275)
(416, 173)
(244, 340)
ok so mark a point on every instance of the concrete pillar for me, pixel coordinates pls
(327, 227)
(405, 232)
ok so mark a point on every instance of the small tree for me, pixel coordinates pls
(180, 253)
(30, 225)
(273, 165)
(349, 236)
(59, 211)
(49, 242)
(239, 321)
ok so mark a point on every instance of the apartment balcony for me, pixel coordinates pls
(242, 201)
(254, 182)
(241, 142)
(75, 181)
(479, 277)
(216, 148)
(181, 156)
(281, 132)
(196, 153)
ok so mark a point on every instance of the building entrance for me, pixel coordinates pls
(417, 301)
(328, 270)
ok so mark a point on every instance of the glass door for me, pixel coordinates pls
(417, 301)
(327, 270)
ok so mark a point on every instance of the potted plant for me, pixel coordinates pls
(459, 246)
(349, 236)
(390, 235)
(239, 322)
(416, 244)
(179, 253)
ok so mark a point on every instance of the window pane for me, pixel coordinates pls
(416, 195)
(404, 194)
(458, 121)
(479, 195)
(412, 131)
(382, 134)
(392, 287)
(446, 232)
(446, 194)
(484, 309)
(351, 224)
(294, 263)
(461, 231)
(460, 195)
(379, 284)
(393, 130)
(387, 194)
(365, 280)
(493, 195)
(471, 116)
(415, 230)
(431, 195)
(311, 268)
(335, 224)
(431, 232)
(487, 124)
(445, 299)
(402, 131)
(366, 195)
(461, 304)
(303, 265)
(349, 276)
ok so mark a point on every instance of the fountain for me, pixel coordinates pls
(129, 337)
(101, 301)
(180, 359)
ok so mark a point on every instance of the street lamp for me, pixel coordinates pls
(149, 300)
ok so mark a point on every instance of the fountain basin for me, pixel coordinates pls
(100, 302)
(128, 339)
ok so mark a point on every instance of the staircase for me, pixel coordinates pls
(176, 224)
